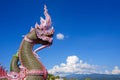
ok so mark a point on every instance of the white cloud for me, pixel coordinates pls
(73, 66)
(72, 60)
(60, 36)
(116, 70)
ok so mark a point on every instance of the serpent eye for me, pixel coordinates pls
(15, 76)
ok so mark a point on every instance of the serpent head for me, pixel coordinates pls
(44, 31)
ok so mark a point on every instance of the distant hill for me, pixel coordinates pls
(92, 77)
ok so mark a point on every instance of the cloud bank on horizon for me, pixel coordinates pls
(74, 65)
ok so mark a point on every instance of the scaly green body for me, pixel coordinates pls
(27, 58)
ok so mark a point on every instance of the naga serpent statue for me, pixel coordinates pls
(25, 64)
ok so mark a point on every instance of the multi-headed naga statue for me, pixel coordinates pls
(25, 65)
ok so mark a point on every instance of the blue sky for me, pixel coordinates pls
(91, 30)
